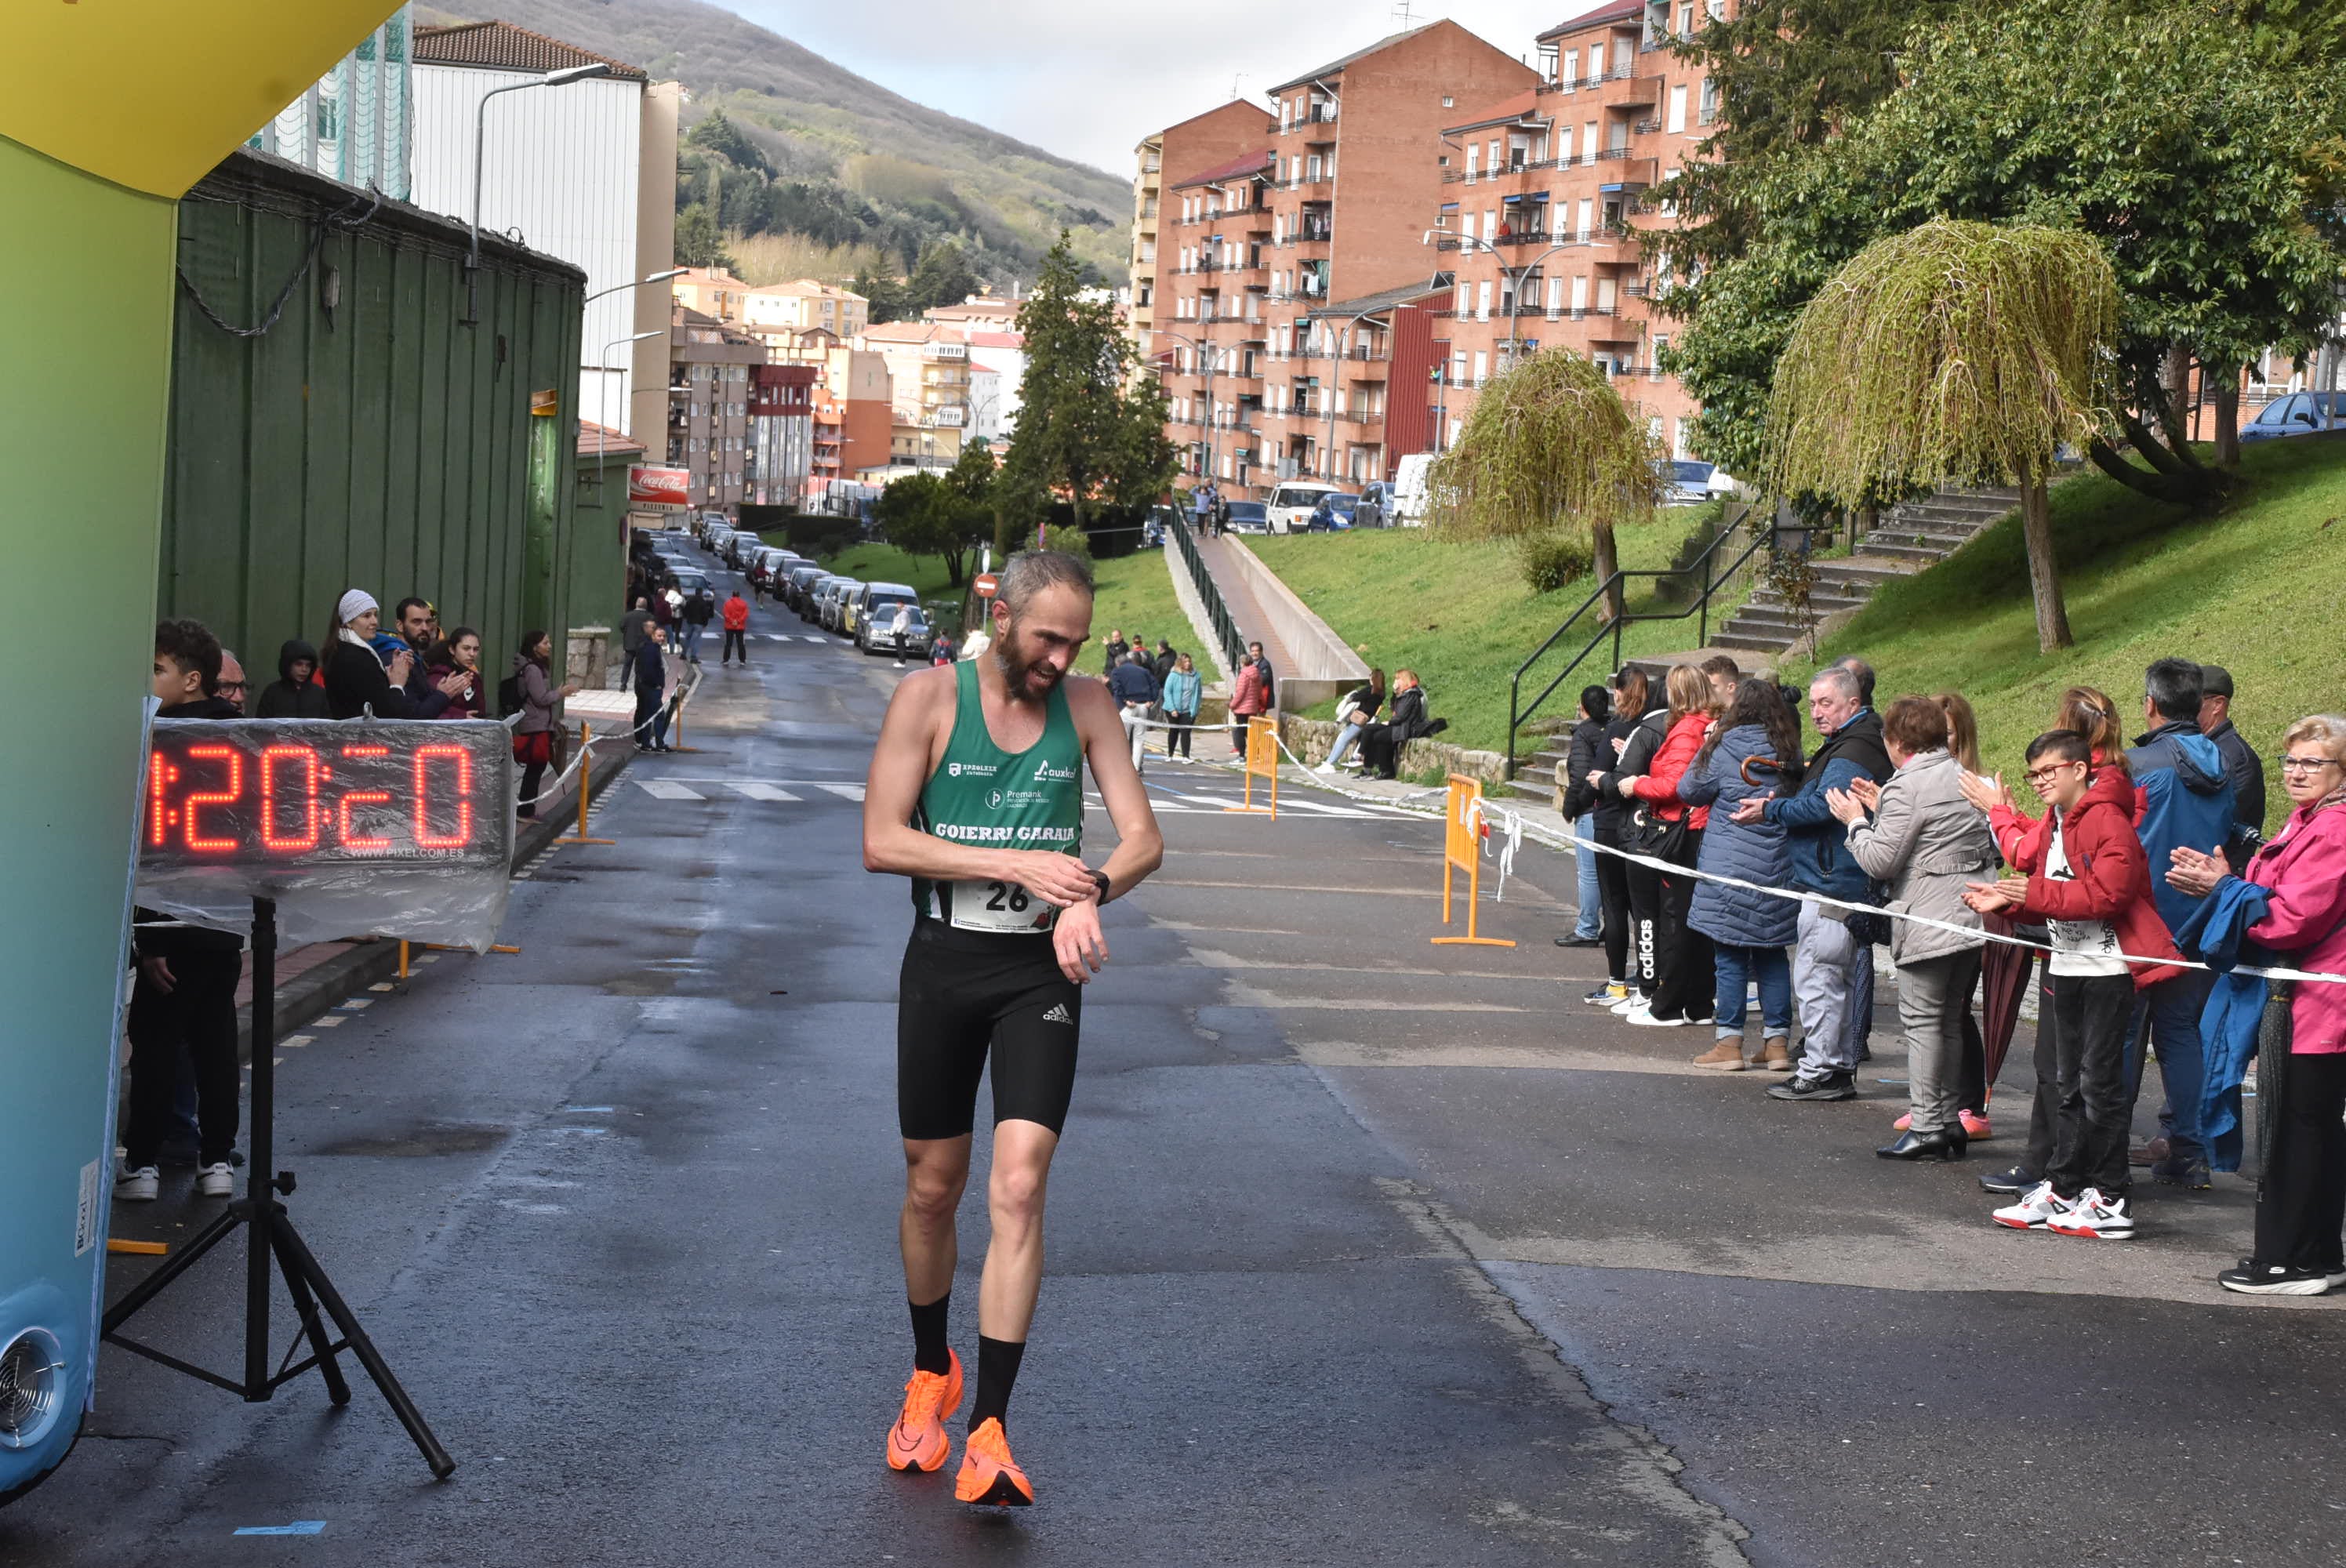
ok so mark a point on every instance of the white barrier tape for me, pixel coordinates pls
(577, 762)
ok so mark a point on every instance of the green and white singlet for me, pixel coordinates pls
(984, 797)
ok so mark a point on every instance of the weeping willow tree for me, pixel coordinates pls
(1955, 351)
(1549, 450)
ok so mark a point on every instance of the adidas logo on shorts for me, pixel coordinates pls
(1059, 1015)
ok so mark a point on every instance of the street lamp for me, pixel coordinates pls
(560, 78)
(1515, 309)
(1209, 355)
(1335, 378)
(640, 337)
(655, 277)
(602, 395)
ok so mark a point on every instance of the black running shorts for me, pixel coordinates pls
(965, 992)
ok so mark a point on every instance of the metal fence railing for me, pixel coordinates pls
(1226, 631)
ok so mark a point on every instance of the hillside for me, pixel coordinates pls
(2252, 588)
(859, 169)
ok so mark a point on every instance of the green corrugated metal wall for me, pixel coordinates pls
(372, 442)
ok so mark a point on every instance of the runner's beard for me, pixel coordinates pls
(1027, 678)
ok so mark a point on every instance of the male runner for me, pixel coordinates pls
(977, 794)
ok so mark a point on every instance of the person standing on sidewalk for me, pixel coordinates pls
(699, 611)
(1825, 957)
(1182, 690)
(1135, 692)
(1926, 843)
(1753, 750)
(1668, 828)
(1246, 702)
(2242, 766)
(1635, 736)
(183, 997)
(1608, 817)
(737, 630)
(631, 636)
(651, 690)
(535, 697)
(2299, 882)
(2085, 877)
(2184, 800)
(1583, 754)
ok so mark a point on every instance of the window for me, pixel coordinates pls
(1588, 142)
(1490, 223)
(1482, 301)
(1678, 118)
(1457, 373)
(1465, 299)
(1448, 102)
(1682, 442)
(1473, 160)
(1554, 295)
(1571, 66)
(1597, 62)
(1563, 144)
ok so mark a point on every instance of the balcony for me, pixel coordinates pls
(1540, 235)
(1315, 233)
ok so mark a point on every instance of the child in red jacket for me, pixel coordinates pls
(2084, 875)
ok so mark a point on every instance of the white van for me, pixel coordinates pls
(1410, 495)
(1292, 502)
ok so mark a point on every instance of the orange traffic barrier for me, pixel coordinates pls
(1462, 850)
(1261, 762)
(585, 777)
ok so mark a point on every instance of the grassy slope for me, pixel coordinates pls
(2253, 588)
(1461, 615)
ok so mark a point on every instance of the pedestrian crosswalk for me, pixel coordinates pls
(803, 638)
(777, 790)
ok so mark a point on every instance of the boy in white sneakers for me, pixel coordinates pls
(2084, 875)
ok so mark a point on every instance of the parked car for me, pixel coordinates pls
(796, 581)
(1291, 504)
(1333, 515)
(811, 601)
(765, 565)
(691, 581)
(1376, 506)
(739, 545)
(875, 616)
(1248, 516)
(834, 604)
(2298, 414)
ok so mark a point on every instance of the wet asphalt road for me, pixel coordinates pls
(1362, 1250)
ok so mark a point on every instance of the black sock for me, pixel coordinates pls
(997, 1368)
(929, 1351)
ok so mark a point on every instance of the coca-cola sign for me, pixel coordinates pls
(665, 488)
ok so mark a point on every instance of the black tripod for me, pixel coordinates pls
(273, 1236)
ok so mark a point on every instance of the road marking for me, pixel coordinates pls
(757, 791)
(1383, 893)
(668, 789)
(1252, 996)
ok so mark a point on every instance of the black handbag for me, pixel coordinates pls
(1658, 837)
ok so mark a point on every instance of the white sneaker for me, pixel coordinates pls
(2036, 1209)
(216, 1181)
(138, 1186)
(2104, 1219)
(1326, 768)
(1644, 1017)
(1632, 1000)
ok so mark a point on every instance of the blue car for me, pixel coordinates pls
(2298, 414)
(1333, 515)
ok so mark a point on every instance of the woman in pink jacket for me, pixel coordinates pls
(2301, 1197)
(1246, 701)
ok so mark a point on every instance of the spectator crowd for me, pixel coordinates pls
(2140, 862)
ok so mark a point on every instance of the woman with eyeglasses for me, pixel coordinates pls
(2299, 882)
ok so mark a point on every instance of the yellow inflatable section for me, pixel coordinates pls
(183, 81)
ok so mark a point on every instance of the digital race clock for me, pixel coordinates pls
(290, 793)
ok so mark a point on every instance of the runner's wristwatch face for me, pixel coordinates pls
(1100, 881)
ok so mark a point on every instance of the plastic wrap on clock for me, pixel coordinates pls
(358, 827)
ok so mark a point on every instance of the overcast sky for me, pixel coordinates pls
(1088, 78)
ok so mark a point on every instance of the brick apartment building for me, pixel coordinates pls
(1339, 212)
(928, 373)
(708, 404)
(1544, 213)
(1182, 151)
(778, 458)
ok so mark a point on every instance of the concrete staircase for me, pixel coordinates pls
(1914, 534)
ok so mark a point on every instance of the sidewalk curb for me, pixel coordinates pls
(320, 990)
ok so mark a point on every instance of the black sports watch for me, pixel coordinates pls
(1100, 881)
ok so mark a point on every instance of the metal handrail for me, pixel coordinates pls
(1226, 631)
(1517, 712)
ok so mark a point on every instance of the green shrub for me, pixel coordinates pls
(1551, 560)
(1067, 538)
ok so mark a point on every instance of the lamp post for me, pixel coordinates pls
(1209, 355)
(1516, 295)
(1335, 361)
(602, 394)
(563, 78)
(604, 369)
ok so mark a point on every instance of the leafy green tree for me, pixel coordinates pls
(697, 243)
(973, 473)
(1953, 350)
(718, 134)
(885, 293)
(942, 276)
(1079, 436)
(924, 515)
(2207, 158)
(1550, 448)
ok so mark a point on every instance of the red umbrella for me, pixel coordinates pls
(2003, 975)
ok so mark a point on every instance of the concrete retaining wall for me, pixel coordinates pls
(1326, 666)
(1310, 739)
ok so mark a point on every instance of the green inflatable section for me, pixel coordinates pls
(85, 300)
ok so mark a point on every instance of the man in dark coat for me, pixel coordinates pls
(184, 998)
(2242, 766)
(1825, 960)
(293, 694)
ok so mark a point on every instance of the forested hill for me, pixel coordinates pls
(855, 174)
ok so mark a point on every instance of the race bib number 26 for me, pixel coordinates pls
(999, 906)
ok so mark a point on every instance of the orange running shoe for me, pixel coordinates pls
(918, 1440)
(988, 1473)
